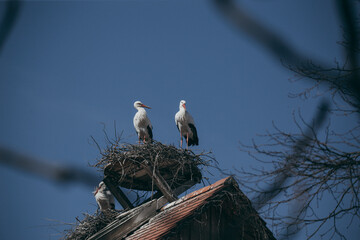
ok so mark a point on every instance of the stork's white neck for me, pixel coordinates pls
(140, 109)
(181, 108)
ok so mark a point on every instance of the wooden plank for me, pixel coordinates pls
(123, 227)
(118, 194)
(158, 194)
(179, 190)
(160, 182)
(216, 221)
(185, 186)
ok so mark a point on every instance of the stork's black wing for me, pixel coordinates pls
(194, 140)
(149, 129)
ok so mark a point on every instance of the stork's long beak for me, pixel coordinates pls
(145, 106)
(96, 191)
(184, 106)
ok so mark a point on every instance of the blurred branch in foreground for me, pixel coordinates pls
(266, 37)
(341, 78)
(348, 18)
(7, 23)
(49, 171)
(308, 166)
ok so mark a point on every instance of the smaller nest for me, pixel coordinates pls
(126, 164)
(91, 224)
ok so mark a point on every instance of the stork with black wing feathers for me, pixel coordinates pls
(142, 123)
(186, 126)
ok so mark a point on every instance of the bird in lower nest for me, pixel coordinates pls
(104, 198)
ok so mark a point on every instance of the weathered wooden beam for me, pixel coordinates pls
(177, 191)
(185, 186)
(121, 227)
(118, 194)
(157, 195)
(160, 182)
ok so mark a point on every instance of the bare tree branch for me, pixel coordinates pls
(321, 168)
(304, 167)
(50, 171)
(276, 186)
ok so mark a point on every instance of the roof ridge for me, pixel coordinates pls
(218, 184)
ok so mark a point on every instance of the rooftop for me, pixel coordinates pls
(162, 220)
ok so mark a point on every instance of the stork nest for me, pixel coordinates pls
(91, 224)
(128, 164)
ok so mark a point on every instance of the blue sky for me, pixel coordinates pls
(70, 66)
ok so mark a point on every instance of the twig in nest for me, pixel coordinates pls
(91, 224)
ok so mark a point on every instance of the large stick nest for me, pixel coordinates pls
(126, 164)
(91, 224)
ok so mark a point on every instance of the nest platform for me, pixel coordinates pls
(150, 167)
(134, 174)
(128, 166)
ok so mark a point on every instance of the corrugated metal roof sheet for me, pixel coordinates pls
(173, 213)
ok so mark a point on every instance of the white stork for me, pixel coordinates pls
(186, 126)
(104, 198)
(142, 123)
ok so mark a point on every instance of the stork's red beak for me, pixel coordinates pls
(143, 105)
(96, 191)
(184, 106)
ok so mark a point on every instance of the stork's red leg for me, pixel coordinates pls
(181, 140)
(187, 140)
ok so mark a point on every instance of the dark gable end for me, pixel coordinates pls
(218, 211)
